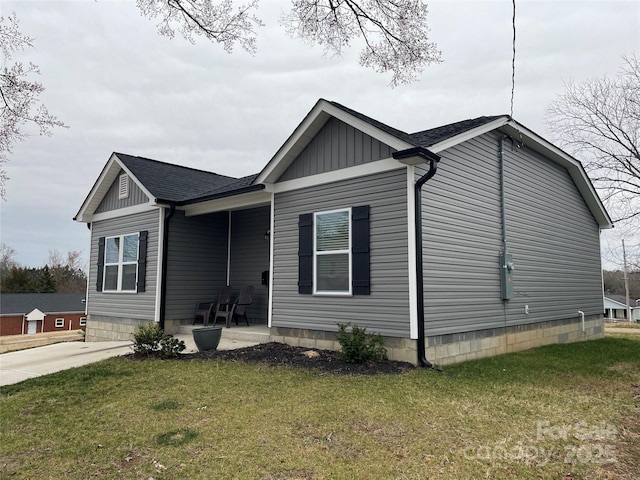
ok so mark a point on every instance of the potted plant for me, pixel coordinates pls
(207, 338)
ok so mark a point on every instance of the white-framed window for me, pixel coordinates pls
(121, 263)
(332, 252)
(59, 322)
(83, 321)
(123, 186)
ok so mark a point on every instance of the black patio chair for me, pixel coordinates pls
(236, 309)
(205, 310)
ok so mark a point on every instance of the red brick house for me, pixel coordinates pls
(30, 313)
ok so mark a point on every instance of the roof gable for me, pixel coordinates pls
(313, 123)
(336, 146)
(161, 182)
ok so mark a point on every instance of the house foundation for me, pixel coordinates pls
(101, 328)
(460, 347)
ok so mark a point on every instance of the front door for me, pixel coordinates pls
(33, 327)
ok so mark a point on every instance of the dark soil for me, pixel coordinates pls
(278, 354)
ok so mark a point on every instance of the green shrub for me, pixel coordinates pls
(359, 346)
(150, 340)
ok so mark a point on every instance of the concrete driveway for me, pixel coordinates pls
(34, 362)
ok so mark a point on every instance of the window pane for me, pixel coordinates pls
(129, 277)
(113, 250)
(333, 272)
(332, 231)
(111, 277)
(130, 248)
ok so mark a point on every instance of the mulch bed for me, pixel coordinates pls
(279, 354)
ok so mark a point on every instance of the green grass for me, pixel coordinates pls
(183, 420)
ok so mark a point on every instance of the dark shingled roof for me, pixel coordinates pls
(622, 299)
(430, 137)
(425, 138)
(175, 183)
(24, 303)
(183, 185)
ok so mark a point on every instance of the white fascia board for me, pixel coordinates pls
(532, 140)
(101, 187)
(468, 135)
(308, 129)
(370, 168)
(574, 167)
(234, 202)
(121, 212)
(99, 190)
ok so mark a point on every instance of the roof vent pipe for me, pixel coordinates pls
(433, 159)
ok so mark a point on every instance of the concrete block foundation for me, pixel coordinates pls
(459, 347)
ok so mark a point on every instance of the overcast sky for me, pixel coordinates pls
(119, 86)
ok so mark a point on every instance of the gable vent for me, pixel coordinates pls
(123, 191)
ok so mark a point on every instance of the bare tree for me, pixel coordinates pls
(599, 122)
(395, 32)
(68, 274)
(19, 103)
(7, 260)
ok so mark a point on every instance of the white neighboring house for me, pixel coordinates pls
(616, 309)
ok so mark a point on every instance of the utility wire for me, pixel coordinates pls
(513, 58)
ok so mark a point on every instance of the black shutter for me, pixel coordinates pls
(100, 277)
(142, 260)
(360, 255)
(305, 253)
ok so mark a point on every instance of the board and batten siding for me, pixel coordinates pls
(250, 257)
(196, 262)
(112, 202)
(139, 306)
(551, 234)
(386, 310)
(337, 145)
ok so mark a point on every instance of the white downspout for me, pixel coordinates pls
(582, 315)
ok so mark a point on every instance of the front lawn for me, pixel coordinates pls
(557, 412)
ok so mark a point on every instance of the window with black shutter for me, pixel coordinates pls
(122, 263)
(333, 253)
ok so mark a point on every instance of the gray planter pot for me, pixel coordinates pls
(207, 338)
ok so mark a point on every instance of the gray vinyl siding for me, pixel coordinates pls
(337, 145)
(112, 202)
(196, 262)
(552, 236)
(554, 239)
(386, 310)
(126, 305)
(250, 257)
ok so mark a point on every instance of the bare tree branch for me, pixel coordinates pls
(217, 21)
(395, 32)
(599, 122)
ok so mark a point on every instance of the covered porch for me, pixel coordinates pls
(207, 250)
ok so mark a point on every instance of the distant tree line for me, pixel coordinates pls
(60, 275)
(614, 283)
